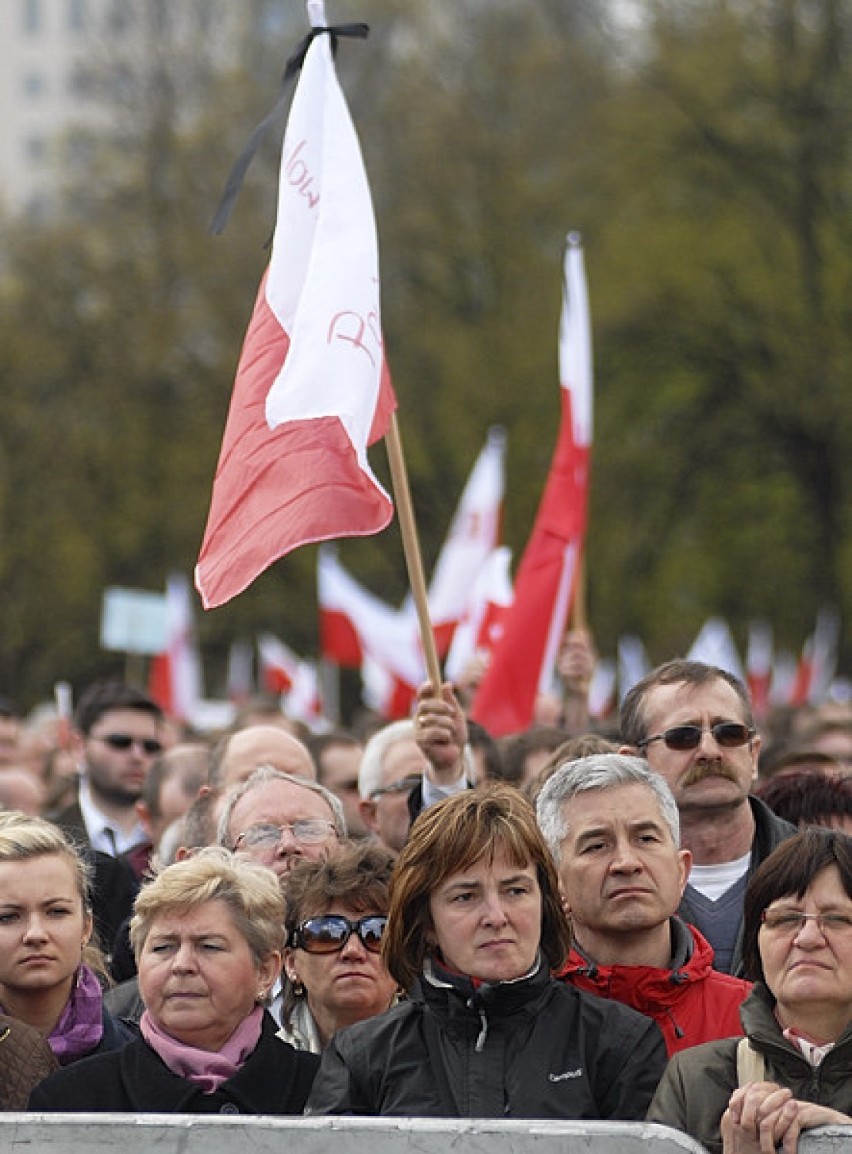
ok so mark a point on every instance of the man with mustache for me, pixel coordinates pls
(693, 723)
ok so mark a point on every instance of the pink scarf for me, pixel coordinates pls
(208, 1068)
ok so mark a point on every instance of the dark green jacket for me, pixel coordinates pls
(694, 1091)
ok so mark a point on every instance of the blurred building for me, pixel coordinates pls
(70, 66)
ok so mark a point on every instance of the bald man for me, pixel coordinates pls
(238, 755)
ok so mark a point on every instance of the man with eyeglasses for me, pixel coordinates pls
(392, 767)
(118, 735)
(693, 723)
(278, 820)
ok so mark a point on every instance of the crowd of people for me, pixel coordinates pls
(647, 919)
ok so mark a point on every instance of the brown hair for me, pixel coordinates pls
(450, 837)
(358, 876)
(788, 872)
(675, 672)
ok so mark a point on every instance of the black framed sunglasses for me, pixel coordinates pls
(728, 734)
(123, 741)
(329, 933)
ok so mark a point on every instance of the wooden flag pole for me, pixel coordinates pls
(578, 609)
(411, 549)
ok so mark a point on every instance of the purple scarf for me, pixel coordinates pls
(208, 1068)
(80, 1026)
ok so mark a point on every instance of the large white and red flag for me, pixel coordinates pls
(312, 388)
(523, 664)
(473, 534)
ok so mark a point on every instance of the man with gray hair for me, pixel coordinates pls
(279, 819)
(613, 828)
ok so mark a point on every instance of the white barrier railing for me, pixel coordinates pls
(216, 1134)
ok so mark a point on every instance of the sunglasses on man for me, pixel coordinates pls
(728, 734)
(123, 742)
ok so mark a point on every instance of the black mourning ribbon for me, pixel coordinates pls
(293, 66)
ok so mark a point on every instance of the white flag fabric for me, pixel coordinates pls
(714, 645)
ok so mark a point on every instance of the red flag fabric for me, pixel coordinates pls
(312, 388)
(523, 663)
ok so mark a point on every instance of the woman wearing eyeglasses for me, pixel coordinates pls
(50, 965)
(336, 918)
(475, 926)
(794, 1069)
(208, 936)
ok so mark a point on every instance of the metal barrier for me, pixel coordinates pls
(215, 1134)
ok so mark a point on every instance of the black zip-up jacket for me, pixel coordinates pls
(532, 1048)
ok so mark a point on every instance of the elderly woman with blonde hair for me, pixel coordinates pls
(207, 933)
(475, 926)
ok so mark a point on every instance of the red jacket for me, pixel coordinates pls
(690, 1001)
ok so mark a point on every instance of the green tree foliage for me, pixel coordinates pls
(704, 155)
(724, 356)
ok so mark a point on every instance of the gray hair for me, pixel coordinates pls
(599, 772)
(261, 776)
(370, 771)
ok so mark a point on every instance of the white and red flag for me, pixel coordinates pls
(293, 678)
(357, 627)
(818, 662)
(175, 679)
(278, 664)
(312, 388)
(523, 664)
(714, 645)
(474, 532)
(480, 630)
(759, 665)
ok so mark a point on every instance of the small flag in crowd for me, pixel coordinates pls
(473, 534)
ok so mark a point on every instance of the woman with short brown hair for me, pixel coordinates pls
(476, 924)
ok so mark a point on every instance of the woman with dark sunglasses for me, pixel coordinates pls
(475, 927)
(334, 972)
